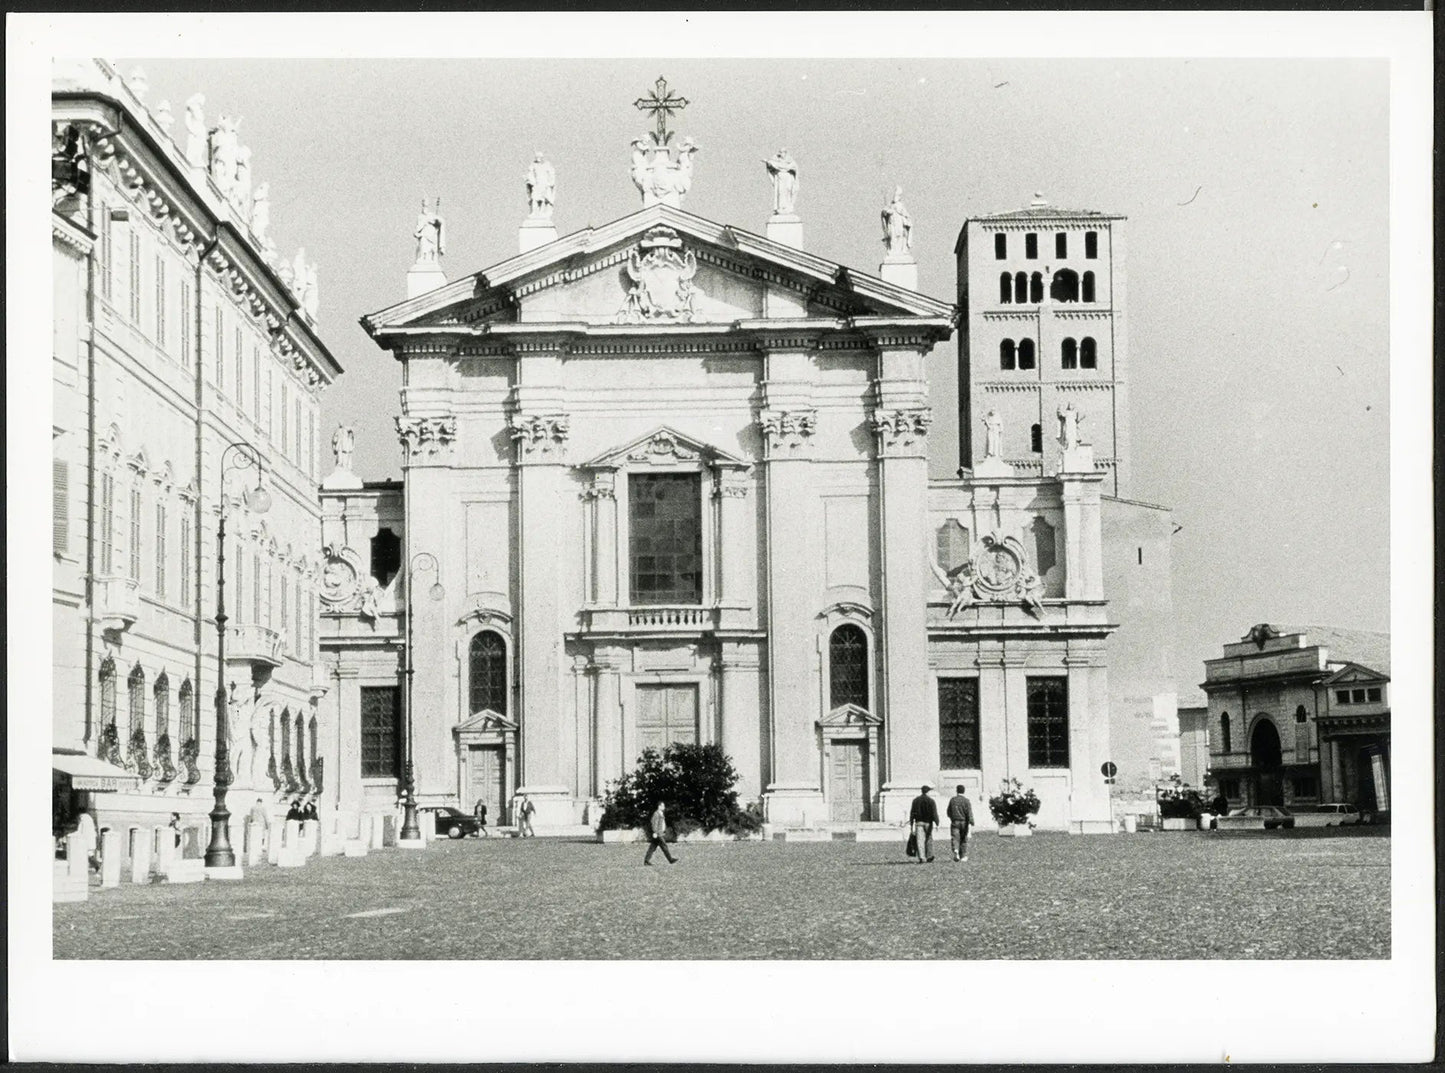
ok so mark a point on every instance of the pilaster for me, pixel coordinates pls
(741, 705)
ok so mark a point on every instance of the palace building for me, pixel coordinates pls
(666, 479)
(177, 334)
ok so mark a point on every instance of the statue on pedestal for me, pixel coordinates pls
(541, 187)
(164, 116)
(224, 149)
(992, 435)
(197, 147)
(430, 234)
(783, 171)
(261, 212)
(343, 441)
(897, 226)
(1069, 419)
(241, 188)
(310, 293)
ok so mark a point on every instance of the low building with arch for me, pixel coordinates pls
(1301, 716)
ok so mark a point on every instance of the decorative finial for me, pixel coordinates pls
(1039, 200)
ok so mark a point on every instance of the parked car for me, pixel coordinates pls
(1272, 816)
(1329, 815)
(452, 822)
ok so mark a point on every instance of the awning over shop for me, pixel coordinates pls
(91, 773)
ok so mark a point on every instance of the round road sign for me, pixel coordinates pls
(1108, 769)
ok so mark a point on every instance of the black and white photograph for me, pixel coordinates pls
(774, 537)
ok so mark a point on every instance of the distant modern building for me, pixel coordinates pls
(1193, 742)
(1301, 715)
(177, 334)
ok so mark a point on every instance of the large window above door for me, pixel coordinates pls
(665, 534)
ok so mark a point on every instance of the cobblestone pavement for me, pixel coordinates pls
(1175, 895)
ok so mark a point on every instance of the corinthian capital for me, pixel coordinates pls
(901, 431)
(787, 431)
(425, 439)
(539, 436)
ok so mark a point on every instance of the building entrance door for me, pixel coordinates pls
(848, 787)
(1265, 751)
(485, 771)
(666, 713)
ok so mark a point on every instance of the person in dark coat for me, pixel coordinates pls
(923, 815)
(658, 828)
(960, 819)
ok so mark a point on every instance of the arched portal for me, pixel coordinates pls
(1266, 756)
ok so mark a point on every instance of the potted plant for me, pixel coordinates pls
(1013, 808)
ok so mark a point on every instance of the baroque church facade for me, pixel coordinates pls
(667, 480)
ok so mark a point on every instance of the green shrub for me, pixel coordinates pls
(697, 783)
(1177, 804)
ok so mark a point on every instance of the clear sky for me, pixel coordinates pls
(1257, 237)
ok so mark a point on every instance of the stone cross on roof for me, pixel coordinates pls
(661, 103)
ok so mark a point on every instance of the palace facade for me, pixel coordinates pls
(176, 335)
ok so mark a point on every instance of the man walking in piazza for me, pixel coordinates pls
(658, 828)
(525, 809)
(960, 819)
(923, 815)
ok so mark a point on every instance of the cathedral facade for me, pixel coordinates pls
(667, 480)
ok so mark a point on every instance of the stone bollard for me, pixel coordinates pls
(273, 843)
(165, 852)
(292, 853)
(389, 829)
(376, 836)
(140, 855)
(77, 861)
(255, 843)
(110, 858)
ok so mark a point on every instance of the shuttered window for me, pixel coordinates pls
(135, 302)
(60, 506)
(185, 578)
(161, 551)
(135, 534)
(220, 349)
(107, 254)
(107, 524)
(160, 302)
(185, 324)
(285, 419)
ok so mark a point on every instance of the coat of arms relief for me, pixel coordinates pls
(661, 271)
(996, 574)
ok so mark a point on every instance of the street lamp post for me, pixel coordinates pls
(410, 829)
(219, 853)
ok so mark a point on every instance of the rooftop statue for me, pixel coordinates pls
(343, 441)
(897, 226)
(541, 187)
(225, 149)
(197, 146)
(261, 212)
(241, 188)
(1069, 419)
(430, 234)
(164, 116)
(783, 171)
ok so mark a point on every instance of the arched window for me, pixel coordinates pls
(1088, 353)
(1036, 287)
(1088, 286)
(188, 712)
(1064, 287)
(107, 693)
(1036, 439)
(848, 667)
(162, 696)
(137, 684)
(1026, 353)
(1005, 288)
(1225, 745)
(487, 663)
(1300, 715)
(1006, 354)
(301, 745)
(1069, 355)
(1021, 287)
(315, 749)
(286, 739)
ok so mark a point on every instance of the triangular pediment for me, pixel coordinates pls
(630, 273)
(1356, 672)
(664, 446)
(485, 722)
(850, 715)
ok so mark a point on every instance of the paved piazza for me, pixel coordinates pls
(1194, 895)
